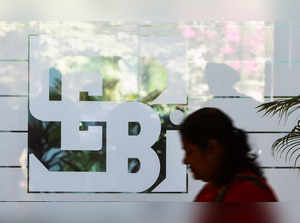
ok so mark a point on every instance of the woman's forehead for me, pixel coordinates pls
(187, 145)
(185, 142)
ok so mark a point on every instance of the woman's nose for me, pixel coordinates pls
(185, 160)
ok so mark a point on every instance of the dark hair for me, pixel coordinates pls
(211, 123)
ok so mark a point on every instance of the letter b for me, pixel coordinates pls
(121, 146)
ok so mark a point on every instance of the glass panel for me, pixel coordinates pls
(106, 100)
(13, 78)
(13, 113)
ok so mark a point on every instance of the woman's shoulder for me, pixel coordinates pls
(207, 193)
(249, 187)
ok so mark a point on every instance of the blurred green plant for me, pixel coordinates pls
(290, 143)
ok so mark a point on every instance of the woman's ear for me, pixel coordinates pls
(215, 148)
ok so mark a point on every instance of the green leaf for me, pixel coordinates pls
(288, 144)
(282, 108)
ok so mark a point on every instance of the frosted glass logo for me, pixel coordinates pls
(81, 140)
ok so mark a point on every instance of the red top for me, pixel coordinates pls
(240, 190)
(236, 198)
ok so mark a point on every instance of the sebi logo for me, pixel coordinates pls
(81, 142)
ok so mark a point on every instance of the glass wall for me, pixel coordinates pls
(90, 110)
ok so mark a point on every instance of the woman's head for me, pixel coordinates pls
(215, 149)
(204, 162)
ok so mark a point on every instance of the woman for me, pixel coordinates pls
(219, 154)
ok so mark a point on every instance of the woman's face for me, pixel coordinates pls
(203, 162)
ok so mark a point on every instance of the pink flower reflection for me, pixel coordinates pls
(235, 65)
(255, 46)
(232, 34)
(210, 34)
(188, 32)
(228, 50)
(251, 66)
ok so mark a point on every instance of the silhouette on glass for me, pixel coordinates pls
(221, 79)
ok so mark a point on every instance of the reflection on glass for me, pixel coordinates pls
(134, 66)
(245, 46)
